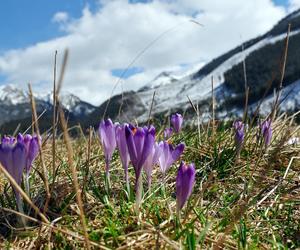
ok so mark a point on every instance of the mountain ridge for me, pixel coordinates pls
(15, 104)
(171, 91)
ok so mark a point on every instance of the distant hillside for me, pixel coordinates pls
(262, 57)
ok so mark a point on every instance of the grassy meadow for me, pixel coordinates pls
(246, 202)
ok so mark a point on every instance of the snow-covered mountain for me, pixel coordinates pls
(69, 102)
(262, 57)
(15, 104)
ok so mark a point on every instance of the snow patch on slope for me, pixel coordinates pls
(289, 100)
(172, 91)
(10, 94)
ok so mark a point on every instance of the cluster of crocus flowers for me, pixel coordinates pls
(185, 181)
(17, 155)
(265, 133)
(239, 136)
(138, 146)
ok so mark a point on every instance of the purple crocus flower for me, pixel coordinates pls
(13, 158)
(184, 184)
(122, 146)
(151, 160)
(140, 143)
(32, 149)
(169, 155)
(238, 127)
(108, 140)
(168, 133)
(176, 120)
(266, 131)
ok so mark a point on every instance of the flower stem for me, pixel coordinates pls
(19, 202)
(138, 193)
(127, 182)
(107, 176)
(149, 183)
(27, 187)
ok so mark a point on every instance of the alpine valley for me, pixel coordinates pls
(256, 64)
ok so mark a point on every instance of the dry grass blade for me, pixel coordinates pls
(37, 130)
(23, 194)
(54, 119)
(282, 73)
(70, 153)
(151, 107)
(62, 72)
(246, 104)
(32, 124)
(213, 106)
(51, 226)
(74, 175)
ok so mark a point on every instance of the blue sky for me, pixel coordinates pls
(104, 36)
(281, 2)
(26, 22)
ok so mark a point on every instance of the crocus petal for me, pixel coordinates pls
(148, 144)
(169, 155)
(152, 160)
(6, 158)
(32, 153)
(266, 131)
(163, 159)
(19, 162)
(239, 134)
(184, 183)
(148, 165)
(131, 145)
(13, 160)
(168, 133)
(20, 138)
(176, 153)
(140, 142)
(107, 138)
(122, 145)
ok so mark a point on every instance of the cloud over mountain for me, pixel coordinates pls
(111, 37)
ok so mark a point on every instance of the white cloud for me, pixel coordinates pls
(111, 37)
(60, 17)
(294, 5)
